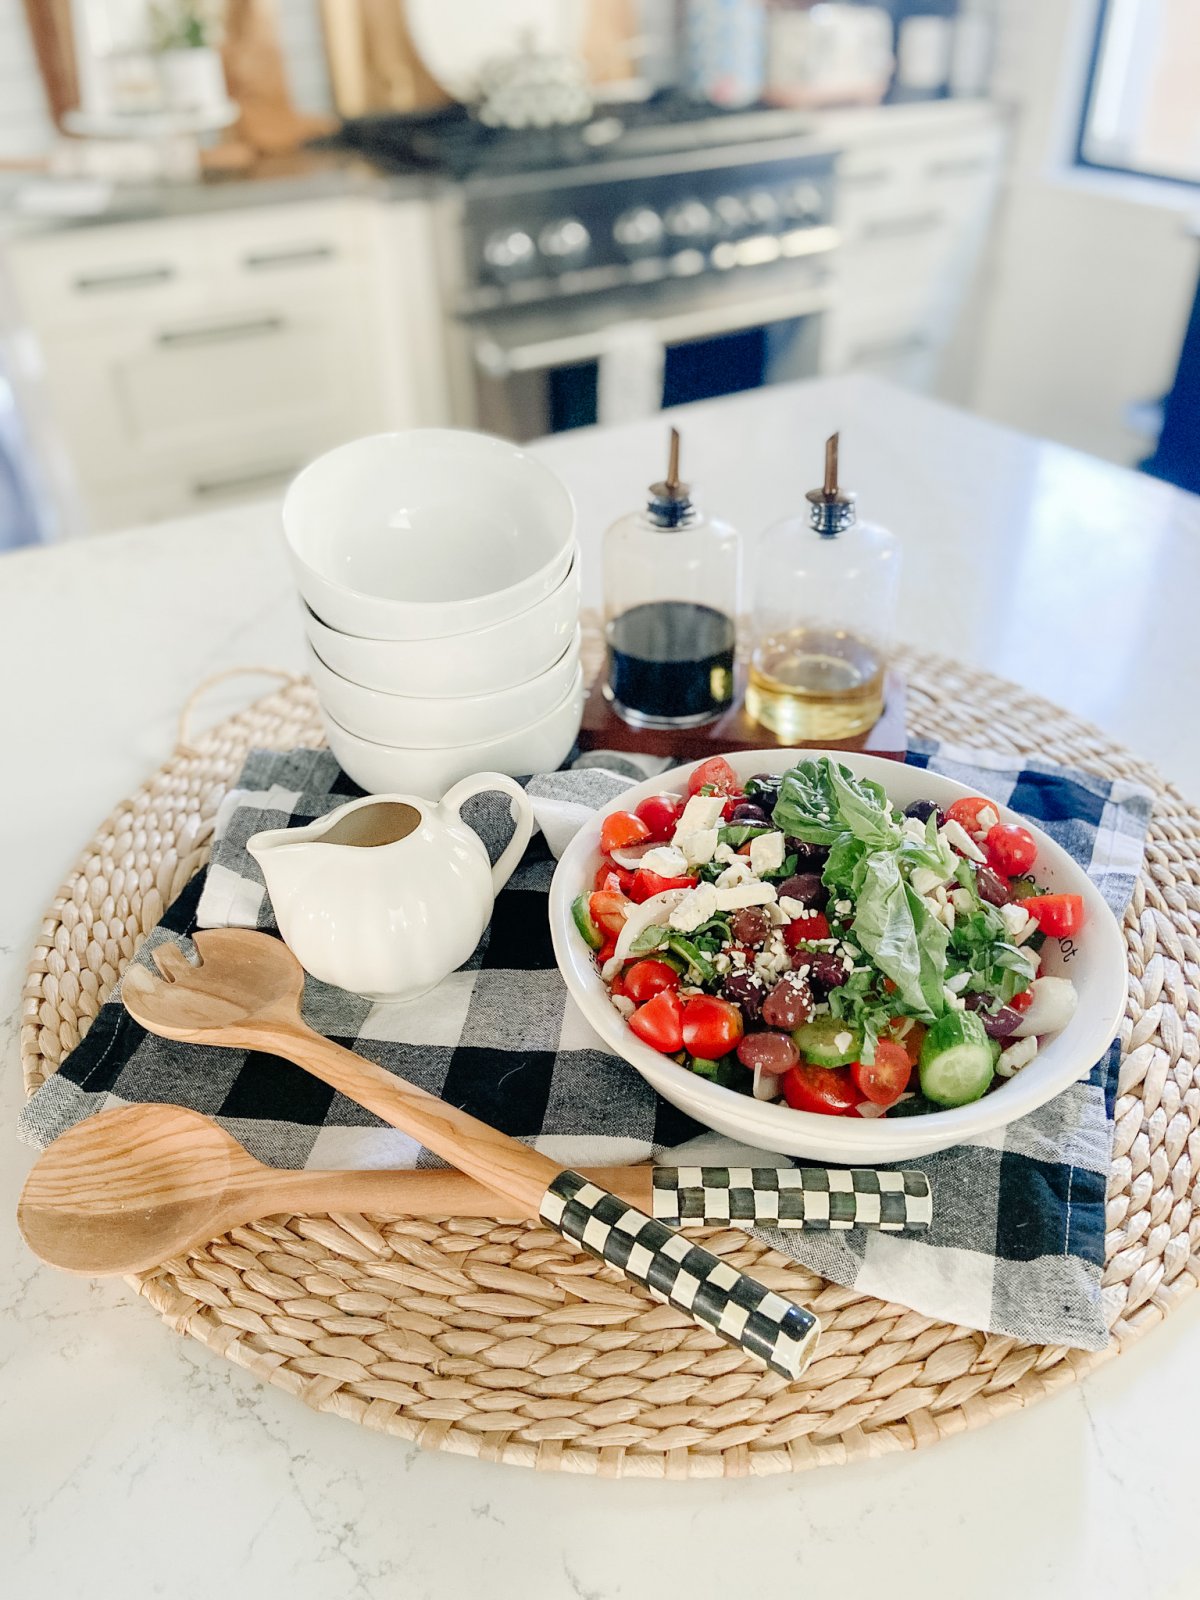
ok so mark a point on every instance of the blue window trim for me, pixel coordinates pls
(1089, 90)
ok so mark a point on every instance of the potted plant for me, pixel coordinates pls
(185, 34)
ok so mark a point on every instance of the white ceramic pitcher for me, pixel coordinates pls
(388, 894)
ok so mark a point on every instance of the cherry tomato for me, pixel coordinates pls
(606, 951)
(715, 775)
(824, 1089)
(911, 1040)
(812, 925)
(1059, 915)
(711, 1027)
(617, 986)
(645, 979)
(661, 814)
(1022, 1001)
(620, 830)
(886, 1079)
(608, 910)
(610, 876)
(966, 814)
(731, 805)
(659, 1023)
(1011, 850)
(646, 883)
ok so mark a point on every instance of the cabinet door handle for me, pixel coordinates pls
(901, 227)
(131, 278)
(217, 332)
(262, 260)
(204, 487)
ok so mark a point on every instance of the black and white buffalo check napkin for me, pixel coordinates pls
(1017, 1242)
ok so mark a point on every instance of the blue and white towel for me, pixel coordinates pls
(1017, 1242)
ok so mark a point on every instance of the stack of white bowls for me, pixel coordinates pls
(440, 575)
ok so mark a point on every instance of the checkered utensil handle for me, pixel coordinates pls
(741, 1311)
(794, 1197)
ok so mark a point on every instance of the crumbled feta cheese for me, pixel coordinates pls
(954, 1001)
(987, 818)
(962, 900)
(924, 880)
(666, 860)
(702, 811)
(744, 894)
(913, 828)
(699, 846)
(939, 895)
(792, 908)
(842, 1041)
(842, 908)
(623, 1004)
(959, 839)
(775, 915)
(738, 871)
(1017, 1055)
(726, 852)
(697, 906)
(766, 853)
(1018, 924)
(722, 961)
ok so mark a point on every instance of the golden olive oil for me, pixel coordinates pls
(813, 684)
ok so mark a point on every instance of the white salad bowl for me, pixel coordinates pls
(423, 534)
(540, 746)
(481, 662)
(1094, 961)
(415, 719)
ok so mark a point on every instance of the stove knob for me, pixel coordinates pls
(564, 243)
(689, 221)
(731, 214)
(508, 252)
(763, 208)
(639, 232)
(804, 203)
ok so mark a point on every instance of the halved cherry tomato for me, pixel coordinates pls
(966, 814)
(606, 951)
(715, 775)
(610, 876)
(911, 1040)
(608, 910)
(886, 1079)
(621, 829)
(1022, 1001)
(1059, 915)
(659, 1023)
(661, 814)
(711, 1027)
(617, 986)
(646, 883)
(825, 1089)
(731, 805)
(812, 925)
(645, 979)
(1011, 849)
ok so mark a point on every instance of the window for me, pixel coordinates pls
(1141, 109)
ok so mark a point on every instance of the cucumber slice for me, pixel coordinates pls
(591, 934)
(957, 1060)
(828, 1041)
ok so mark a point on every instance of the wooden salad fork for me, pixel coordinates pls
(245, 993)
(129, 1188)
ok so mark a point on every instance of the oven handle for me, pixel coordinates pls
(502, 361)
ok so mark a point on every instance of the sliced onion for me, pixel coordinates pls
(1052, 1007)
(656, 910)
(766, 1085)
(869, 1109)
(630, 856)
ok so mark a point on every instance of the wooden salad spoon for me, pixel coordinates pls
(131, 1187)
(245, 993)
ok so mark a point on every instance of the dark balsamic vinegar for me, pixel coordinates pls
(670, 662)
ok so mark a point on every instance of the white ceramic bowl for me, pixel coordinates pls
(540, 746)
(442, 724)
(422, 534)
(1096, 966)
(486, 660)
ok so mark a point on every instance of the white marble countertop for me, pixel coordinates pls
(137, 1464)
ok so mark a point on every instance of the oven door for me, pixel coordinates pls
(612, 358)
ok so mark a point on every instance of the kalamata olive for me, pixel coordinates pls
(764, 788)
(806, 887)
(807, 855)
(769, 1052)
(922, 810)
(789, 1003)
(992, 887)
(997, 1025)
(825, 970)
(746, 989)
(749, 814)
(749, 925)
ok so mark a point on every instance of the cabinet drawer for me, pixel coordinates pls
(287, 245)
(93, 275)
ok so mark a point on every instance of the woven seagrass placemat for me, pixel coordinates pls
(499, 1341)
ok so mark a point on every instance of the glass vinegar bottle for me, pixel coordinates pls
(671, 588)
(825, 605)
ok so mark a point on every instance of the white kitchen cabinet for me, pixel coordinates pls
(197, 360)
(914, 197)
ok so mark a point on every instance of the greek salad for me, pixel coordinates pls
(799, 938)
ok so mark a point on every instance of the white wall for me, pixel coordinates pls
(1092, 276)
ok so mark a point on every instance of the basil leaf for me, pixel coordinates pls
(735, 834)
(820, 800)
(655, 937)
(698, 963)
(905, 941)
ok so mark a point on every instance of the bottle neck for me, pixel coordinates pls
(830, 517)
(668, 512)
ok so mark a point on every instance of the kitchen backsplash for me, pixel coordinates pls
(26, 130)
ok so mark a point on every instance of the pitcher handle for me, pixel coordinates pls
(522, 814)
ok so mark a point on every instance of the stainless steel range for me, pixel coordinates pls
(661, 254)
